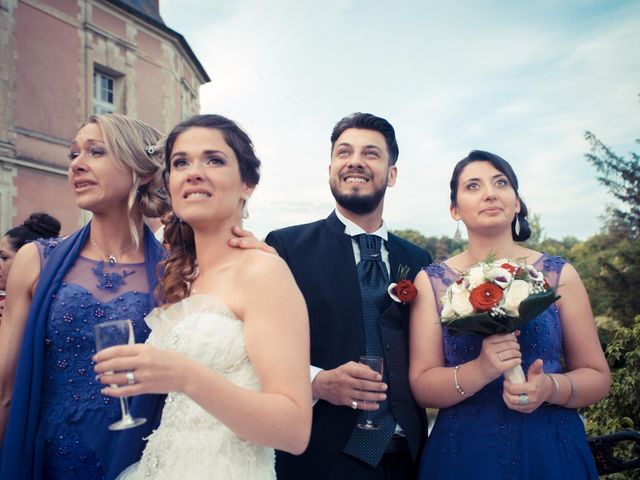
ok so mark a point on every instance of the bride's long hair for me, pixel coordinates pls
(180, 267)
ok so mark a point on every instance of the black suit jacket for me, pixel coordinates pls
(320, 256)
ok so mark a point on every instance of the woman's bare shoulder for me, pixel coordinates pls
(256, 262)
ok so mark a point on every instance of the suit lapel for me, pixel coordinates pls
(396, 258)
(395, 313)
(346, 282)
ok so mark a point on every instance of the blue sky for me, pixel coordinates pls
(521, 79)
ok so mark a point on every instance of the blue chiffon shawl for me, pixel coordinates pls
(22, 449)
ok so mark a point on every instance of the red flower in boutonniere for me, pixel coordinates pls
(402, 291)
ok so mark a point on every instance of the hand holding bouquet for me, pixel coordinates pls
(496, 296)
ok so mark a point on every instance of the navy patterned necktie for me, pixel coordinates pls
(369, 445)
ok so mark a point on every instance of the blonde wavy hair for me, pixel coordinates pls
(138, 147)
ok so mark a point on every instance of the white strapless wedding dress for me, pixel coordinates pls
(190, 443)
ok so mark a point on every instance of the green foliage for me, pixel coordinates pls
(620, 409)
(621, 276)
(561, 248)
(589, 257)
(610, 267)
(539, 241)
(440, 248)
(537, 232)
(622, 177)
(619, 264)
(413, 236)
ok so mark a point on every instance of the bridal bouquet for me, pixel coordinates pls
(496, 296)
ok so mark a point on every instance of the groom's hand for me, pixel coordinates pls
(246, 240)
(350, 384)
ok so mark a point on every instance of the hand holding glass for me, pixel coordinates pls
(110, 334)
(377, 365)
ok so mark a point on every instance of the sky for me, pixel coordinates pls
(521, 79)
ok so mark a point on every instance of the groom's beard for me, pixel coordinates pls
(359, 204)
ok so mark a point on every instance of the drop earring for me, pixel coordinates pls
(516, 226)
(457, 236)
(245, 210)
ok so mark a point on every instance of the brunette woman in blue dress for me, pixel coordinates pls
(488, 427)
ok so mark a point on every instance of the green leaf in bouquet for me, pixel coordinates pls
(485, 324)
(535, 304)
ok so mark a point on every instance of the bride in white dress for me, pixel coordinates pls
(231, 344)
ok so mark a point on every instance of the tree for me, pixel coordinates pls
(620, 271)
(614, 267)
(537, 232)
(561, 248)
(413, 236)
(620, 410)
(622, 177)
(589, 258)
(440, 248)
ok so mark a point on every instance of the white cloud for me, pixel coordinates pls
(521, 80)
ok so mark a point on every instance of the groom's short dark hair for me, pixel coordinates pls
(367, 121)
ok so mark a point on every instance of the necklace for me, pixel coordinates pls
(113, 258)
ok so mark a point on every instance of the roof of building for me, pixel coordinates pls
(147, 7)
(147, 10)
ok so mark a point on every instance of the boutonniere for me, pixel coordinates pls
(402, 290)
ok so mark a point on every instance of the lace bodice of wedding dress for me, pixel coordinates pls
(190, 442)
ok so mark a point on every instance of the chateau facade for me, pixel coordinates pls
(60, 62)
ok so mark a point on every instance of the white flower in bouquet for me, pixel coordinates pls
(447, 308)
(500, 276)
(460, 301)
(535, 275)
(514, 295)
(475, 276)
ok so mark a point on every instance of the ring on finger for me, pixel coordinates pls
(354, 405)
(500, 357)
(523, 399)
(130, 378)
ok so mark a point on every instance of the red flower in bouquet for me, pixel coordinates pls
(485, 297)
(514, 270)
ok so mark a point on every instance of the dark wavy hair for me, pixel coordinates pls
(503, 166)
(367, 121)
(179, 269)
(38, 225)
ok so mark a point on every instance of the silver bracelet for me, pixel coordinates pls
(573, 389)
(556, 395)
(458, 387)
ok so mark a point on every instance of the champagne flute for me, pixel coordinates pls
(376, 364)
(109, 334)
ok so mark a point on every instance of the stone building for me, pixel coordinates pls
(61, 61)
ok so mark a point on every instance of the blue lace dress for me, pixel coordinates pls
(480, 437)
(74, 414)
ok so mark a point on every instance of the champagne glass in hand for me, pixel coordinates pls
(376, 364)
(110, 334)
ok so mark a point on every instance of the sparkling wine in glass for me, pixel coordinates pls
(110, 334)
(377, 365)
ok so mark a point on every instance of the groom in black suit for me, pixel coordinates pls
(343, 266)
